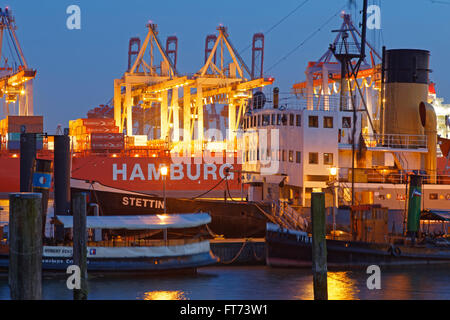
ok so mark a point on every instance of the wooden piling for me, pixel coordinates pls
(319, 246)
(80, 243)
(42, 178)
(25, 249)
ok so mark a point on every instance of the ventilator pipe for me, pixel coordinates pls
(429, 123)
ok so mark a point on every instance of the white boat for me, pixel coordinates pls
(150, 243)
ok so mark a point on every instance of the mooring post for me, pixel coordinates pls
(319, 246)
(61, 180)
(27, 158)
(80, 243)
(42, 181)
(25, 246)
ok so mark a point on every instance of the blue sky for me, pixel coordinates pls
(76, 68)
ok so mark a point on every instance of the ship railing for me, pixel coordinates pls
(290, 217)
(396, 141)
(391, 176)
(300, 100)
(142, 243)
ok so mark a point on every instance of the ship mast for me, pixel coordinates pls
(345, 53)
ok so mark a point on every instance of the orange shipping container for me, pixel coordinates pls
(112, 137)
(33, 124)
(96, 122)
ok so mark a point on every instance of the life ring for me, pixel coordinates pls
(395, 251)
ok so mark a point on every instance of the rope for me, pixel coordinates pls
(238, 254)
(254, 253)
(193, 198)
(213, 234)
(228, 190)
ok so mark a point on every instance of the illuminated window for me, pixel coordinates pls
(313, 121)
(327, 158)
(328, 122)
(433, 196)
(291, 156)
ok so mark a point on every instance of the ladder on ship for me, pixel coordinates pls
(285, 216)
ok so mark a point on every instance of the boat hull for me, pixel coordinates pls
(231, 219)
(286, 249)
(158, 264)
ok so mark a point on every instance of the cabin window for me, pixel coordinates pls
(265, 119)
(259, 120)
(291, 156)
(313, 158)
(298, 157)
(273, 119)
(327, 158)
(291, 119)
(313, 121)
(298, 120)
(279, 119)
(283, 155)
(434, 196)
(328, 122)
(254, 121)
(346, 122)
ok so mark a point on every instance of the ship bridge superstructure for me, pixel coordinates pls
(337, 129)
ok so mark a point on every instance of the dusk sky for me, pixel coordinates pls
(76, 68)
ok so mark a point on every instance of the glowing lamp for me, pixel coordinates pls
(333, 171)
(164, 170)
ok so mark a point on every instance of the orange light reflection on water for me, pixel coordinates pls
(164, 295)
(340, 287)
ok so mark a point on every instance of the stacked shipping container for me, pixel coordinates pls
(97, 135)
(10, 129)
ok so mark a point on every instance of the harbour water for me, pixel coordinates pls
(250, 282)
(256, 283)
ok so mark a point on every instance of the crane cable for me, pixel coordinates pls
(306, 39)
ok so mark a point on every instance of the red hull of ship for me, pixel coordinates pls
(140, 174)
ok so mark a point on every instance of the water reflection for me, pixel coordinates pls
(164, 295)
(340, 287)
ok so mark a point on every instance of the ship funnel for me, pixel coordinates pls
(407, 72)
(428, 120)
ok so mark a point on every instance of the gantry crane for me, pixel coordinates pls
(138, 77)
(15, 79)
(159, 86)
(231, 84)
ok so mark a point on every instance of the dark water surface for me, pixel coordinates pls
(260, 283)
